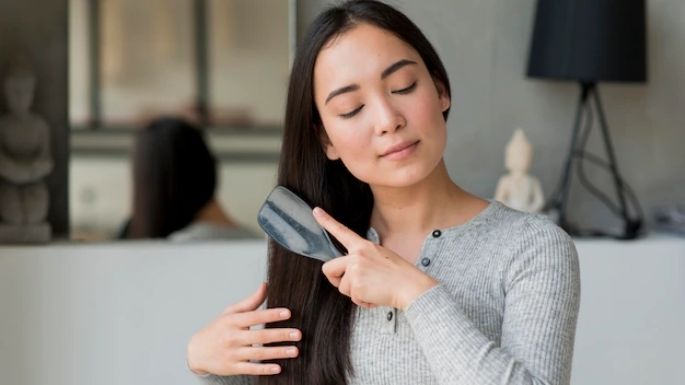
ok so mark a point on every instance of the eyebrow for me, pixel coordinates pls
(386, 72)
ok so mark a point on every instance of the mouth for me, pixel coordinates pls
(400, 150)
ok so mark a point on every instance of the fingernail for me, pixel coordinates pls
(291, 351)
(275, 369)
(318, 210)
(284, 313)
(295, 335)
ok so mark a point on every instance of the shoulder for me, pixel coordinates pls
(502, 234)
(538, 233)
(538, 250)
(522, 228)
(525, 240)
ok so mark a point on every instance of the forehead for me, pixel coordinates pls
(364, 50)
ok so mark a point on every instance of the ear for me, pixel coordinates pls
(328, 148)
(445, 101)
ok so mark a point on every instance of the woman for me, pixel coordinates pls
(438, 286)
(174, 182)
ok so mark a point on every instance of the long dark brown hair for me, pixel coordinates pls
(295, 282)
(174, 177)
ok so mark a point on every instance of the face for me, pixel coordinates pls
(381, 110)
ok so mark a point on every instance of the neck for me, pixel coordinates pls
(435, 202)
(214, 214)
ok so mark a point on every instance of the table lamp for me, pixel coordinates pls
(591, 41)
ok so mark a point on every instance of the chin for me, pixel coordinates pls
(398, 175)
(404, 177)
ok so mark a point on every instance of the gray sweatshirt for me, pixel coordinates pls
(504, 312)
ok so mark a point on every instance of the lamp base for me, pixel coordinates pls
(630, 230)
(558, 202)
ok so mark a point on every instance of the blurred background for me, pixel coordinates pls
(221, 63)
(150, 58)
(106, 68)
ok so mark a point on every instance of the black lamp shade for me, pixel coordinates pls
(589, 41)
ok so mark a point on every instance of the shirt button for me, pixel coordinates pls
(389, 316)
(436, 233)
(426, 261)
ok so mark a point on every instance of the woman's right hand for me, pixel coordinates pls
(225, 347)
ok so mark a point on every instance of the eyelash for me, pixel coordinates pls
(403, 91)
(407, 90)
(351, 113)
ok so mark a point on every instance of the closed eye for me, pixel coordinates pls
(351, 113)
(405, 90)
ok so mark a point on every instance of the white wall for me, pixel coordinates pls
(632, 312)
(122, 313)
(114, 314)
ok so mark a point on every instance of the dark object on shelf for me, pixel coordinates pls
(670, 219)
(589, 41)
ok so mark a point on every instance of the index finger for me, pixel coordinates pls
(342, 233)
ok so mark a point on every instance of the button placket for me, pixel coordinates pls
(390, 320)
(432, 245)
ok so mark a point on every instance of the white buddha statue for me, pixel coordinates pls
(25, 161)
(517, 189)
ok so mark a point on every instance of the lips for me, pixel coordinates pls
(399, 147)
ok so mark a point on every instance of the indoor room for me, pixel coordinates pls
(500, 184)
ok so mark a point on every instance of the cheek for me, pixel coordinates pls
(353, 146)
(426, 117)
(349, 140)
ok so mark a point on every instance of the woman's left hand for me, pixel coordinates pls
(370, 274)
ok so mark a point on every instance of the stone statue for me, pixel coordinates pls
(517, 189)
(25, 161)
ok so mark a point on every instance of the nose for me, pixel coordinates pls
(389, 118)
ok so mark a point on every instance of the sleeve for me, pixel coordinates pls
(541, 284)
(211, 379)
